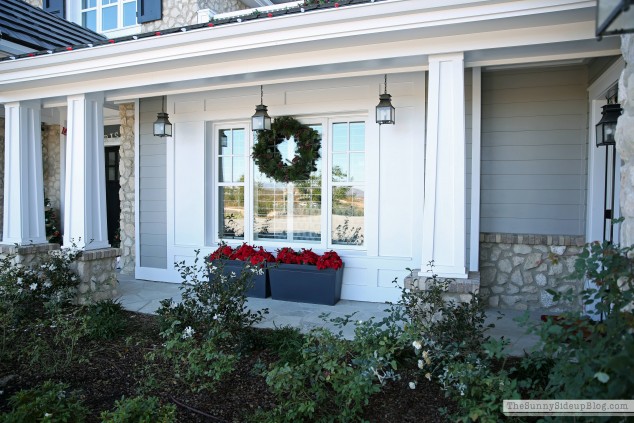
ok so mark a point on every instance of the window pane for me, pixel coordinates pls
(89, 20)
(238, 142)
(88, 3)
(340, 137)
(129, 13)
(270, 211)
(307, 210)
(224, 141)
(112, 175)
(108, 18)
(340, 167)
(357, 136)
(357, 167)
(348, 215)
(107, 2)
(238, 169)
(231, 212)
(224, 169)
(288, 211)
(111, 158)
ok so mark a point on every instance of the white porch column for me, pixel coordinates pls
(23, 181)
(444, 209)
(85, 184)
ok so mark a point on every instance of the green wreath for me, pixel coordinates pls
(268, 158)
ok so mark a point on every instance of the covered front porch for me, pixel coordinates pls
(413, 189)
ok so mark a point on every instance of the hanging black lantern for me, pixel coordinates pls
(385, 112)
(162, 125)
(607, 125)
(260, 120)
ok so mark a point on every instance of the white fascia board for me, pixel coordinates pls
(206, 71)
(389, 18)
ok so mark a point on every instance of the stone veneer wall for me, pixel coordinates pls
(185, 12)
(516, 270)
(51, 150)
(127, 192)
(96, 271)
(625, 140)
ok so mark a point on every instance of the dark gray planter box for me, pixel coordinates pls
(305, 284)
(261, 287)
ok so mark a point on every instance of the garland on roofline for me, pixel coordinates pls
(268, 158)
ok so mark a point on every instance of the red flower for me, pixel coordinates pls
(329, 260)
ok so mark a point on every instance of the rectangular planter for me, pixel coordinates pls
(261, 287)
(305, 284)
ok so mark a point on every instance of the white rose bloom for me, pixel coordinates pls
(188, 332)
(412, 385)
(417, 345)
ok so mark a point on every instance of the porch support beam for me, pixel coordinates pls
(444, 208)
(85, 186)
(23, 181)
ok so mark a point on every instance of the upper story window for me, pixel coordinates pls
(107, 15)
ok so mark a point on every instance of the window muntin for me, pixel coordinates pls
(292, 211)
(107, 15)
(231, 168)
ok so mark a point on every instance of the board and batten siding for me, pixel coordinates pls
(534, 151)
(152, 188)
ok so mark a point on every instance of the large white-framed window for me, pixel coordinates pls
(108, 15)
(325, 211)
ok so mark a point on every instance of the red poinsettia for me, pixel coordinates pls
(245, 252)
(222, 252)
(329, 260)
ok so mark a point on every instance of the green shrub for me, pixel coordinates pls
(140, 410)
(105, 319)
(205, 331)
(50, 402)
(593, 359)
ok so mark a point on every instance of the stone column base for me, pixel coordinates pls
(27, 255)
(460, 290)
(96, 271)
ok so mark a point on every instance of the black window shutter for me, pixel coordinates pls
(149, 10)
(56, 7)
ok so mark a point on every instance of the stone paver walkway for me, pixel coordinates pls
(145, 296)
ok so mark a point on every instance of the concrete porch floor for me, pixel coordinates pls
(145, 296)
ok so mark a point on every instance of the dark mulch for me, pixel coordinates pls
(115, 368)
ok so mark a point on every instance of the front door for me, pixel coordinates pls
(113, 205)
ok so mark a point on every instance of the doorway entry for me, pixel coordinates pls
(113, 204)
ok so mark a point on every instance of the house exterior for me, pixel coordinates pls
(490, 168)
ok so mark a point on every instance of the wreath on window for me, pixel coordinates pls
(269, 160)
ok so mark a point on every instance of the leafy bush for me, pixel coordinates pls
(593, 359)
(204, 331)
(105, 319)
(140, 410)
(50, 402)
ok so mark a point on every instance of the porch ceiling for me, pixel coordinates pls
(391, 36)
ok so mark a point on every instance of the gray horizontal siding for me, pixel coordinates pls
(534, 151)
(153, 189)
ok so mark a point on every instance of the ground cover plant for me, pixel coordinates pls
(202, 359)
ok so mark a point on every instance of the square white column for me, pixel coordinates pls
(23, 181)
(85, 180)
(445, 201)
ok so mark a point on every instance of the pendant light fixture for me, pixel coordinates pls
(385, 112)
(261, 120)
(162, 125)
